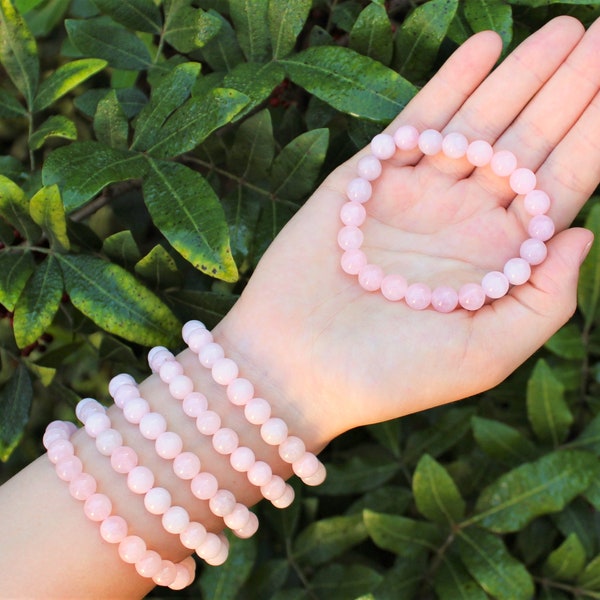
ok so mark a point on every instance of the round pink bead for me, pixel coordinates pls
(55, 431)
(140, 480)
(242, 459)
(292, 449)
(350, 237)
(209, 354)
(181, 386)
(537, 202)
(221, 556)
(194, 404)
(359, 190)
(204, 486)
(168, 445)
(318, 478)
(224, 371)
(495, 284)
(257, 411)
(97, 423)
(132, 548)
(517, 271)
(198, 339)
(406, 137)
(154, 351)
(306, 465)
(108, 441)
(148, 564)
(274, 488)
(166, 574)
(68, 468)
(393, 287)
(430, 142)
(186, 465)
(455, 145)
(444, 299)
(383, 146)
(240, 391)
(82, 486)
(123, 459)
(353, 213)
(193, 535)
(534, 251)
(157, 359)
(60, 449)
(183, 578)
(522, 181)
(113, 529)
(353, 261)
(479, 153)
(97, 507)
(208, 422)
(118, 380)
(541, 227)
(124, 393)
(249, 529)
(157, 500)
(274, 431)
(210, 547)
(259, 473)
(222, 503)
(238, 517)
(169, 370)
(175, 519)
(370, 277)
(86, 407)
(503, 163)
(134, 409)
(471, 296)
(152, 425)
(285, 499)
(369, 167)
(418, 296)
(190, 326)
(225, 440)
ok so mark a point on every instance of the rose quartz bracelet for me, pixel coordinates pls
(210, 547)
(479, 153)
(98, 508)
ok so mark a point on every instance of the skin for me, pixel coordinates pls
(317, 346)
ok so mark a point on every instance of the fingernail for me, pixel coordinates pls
(586, 251)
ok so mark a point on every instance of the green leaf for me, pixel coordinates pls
(222, 51)
(193, 122)
(577, 518)
(121, 248)
(187, 28)
(350, 82)
(589, 438)
(38, 303)
(13, 169)
(110, 122)
(297, 167)
(453, 582)
(15, 270)
(14, 207)
(590, 578)
(436, 494)
(18, 51)
(104, 39)
(567, 561)
(187, 211)
(54, 126)
(567, 342)
(158, 268)
(252, 28)
(343, 581)
(10, 107)
(588, 291)
(490, 14)
(403, 579)
(81, 170)
(140, 15)
(114, 300)
(547, 410)
(209, 307)
(47, 211)
(533, 489)
(242, 211)
(502, 442)
(491, 565)
(45, 18)
(286, 20)
(64, 79)
(15, 403)
(420, 36)
(371, 34)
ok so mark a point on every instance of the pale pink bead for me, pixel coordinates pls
(189, 327)
(152, 424)
(238, 517)
(108, 441)
(181, 386)
(455, 145)
(430, 142)
(274, 431)
(541, 227)
(204, 486)
(175, 519)
(225, 440)
(418, 296)
(160, 358)
(522, 181)
(242, 458)
(285, 499)
(82, 486)
(209, 354)
(117, 381)
(503, 163)
(198, 339)
(97, 423)
(68, 468)
(168, 445)
(221, 556)
(406, 137)
(148, 564)
(224, 371)
(140, 480)
(132, 548)
(537, 202)
(318, 478)
(208, 422)
(444, 299)
(182, 579)
(273, 489)
(58, 430)
(257, 411)
(495, 284)
(166, 574)
(194, 404)
(186, 465)
(86, 407)
(370, 277)
(222, 503)
(97, 507)
(154, 351)
(249, 529)
(383, 146)
(259, 473)
(353, 213)
(479, 153)
(134, 409)
(359, 190)
(157, 500)
(292, 449)
(123, 459)
(534, 251)
(170, 370)
(240, 391)
(350, 237)
(210, 547)
(369, 167)
(353, 261)
(471, 296)
(60, 449)
(193, 535)
(124, 393)
(113, 529)
(306, 465)
(517, 271)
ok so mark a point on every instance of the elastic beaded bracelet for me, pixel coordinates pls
(479, 153)
(212, 548)
(98, 508)
(240, 391)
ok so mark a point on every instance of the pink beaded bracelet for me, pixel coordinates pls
(98, 508)
(479, 153)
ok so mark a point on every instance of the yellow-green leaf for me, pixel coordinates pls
(46, 209)
(15, 403)
(54, 126)
(15, 270)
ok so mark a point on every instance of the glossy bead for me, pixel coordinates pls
(152, 425)
(306, 465)
(180, 386)
(224, 371)
(353, 213)
(169, 370)
(383, 146)
(259, 473)
(210, 547)
(257, 411)
(97, 423)
(285, 499)
(249, 529)
(534, 251)
(97, 507)
(140, 480)
(353, 260)
(134, 409)
(393, 287)
(193, 535)
(208, 422)
(537, 202)
(503, 163)
(430, 142)
(444, 299)
(108, 441)
(495, 284)
(113, 529)
(359, 190)
(148, 564)
(292, 449)
(274, 431)
(194, 404)
(541, 227)
(157, 359)
(240, 391)
(157, 500)
(454, 145)
(124, 393)
(132, 548)
(471, 296)
(221, 556)
(204, 486)
(479, 153)
(59, 449)
(168, 445)
(522, 181)
(123, 459)
(222, 503)
(69, 468)
(186, 465)
(82, 486)
(517, 271)
(198, 339)
(406, 137)
(369, 167)
(317, 478)
(118, 380)
(273, 489)
(175, 519)
(350, 237)
(189, 327)
(418, 296)
(225, 440)
(238, 517)
(370, 277)
(209, 354)
(166, 575)
(242, 458)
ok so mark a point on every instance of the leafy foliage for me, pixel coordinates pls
(150, 152)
